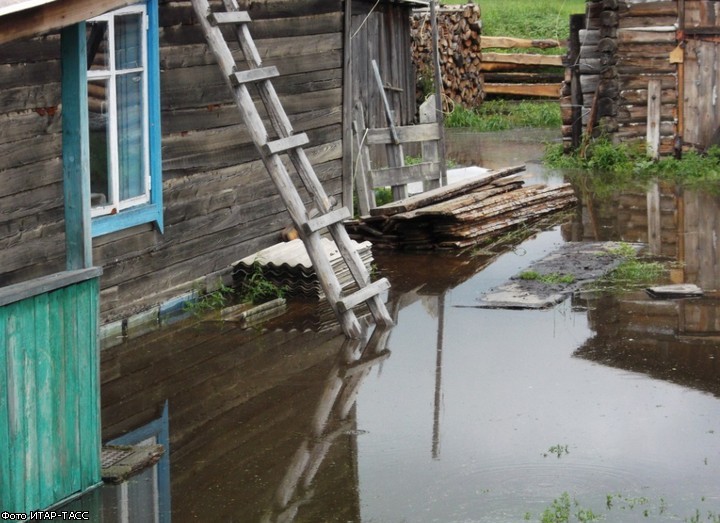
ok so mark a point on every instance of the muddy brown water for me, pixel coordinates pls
(458, 414)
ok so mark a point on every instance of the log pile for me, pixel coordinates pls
(459, 30)
(464, 214)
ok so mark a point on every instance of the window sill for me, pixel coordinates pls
(127, 218)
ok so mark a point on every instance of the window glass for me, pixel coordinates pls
(99, 140)
(117, 98)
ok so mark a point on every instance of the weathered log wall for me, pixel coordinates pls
(624, 46)
(220, 204)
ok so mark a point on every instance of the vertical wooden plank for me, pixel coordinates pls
(30, 393)
(439, 92)
(88, 422)
(653, 119)
(5, 484)
(45, 379)
(653, 214)
(430, 147)
(60, 446)
(72, 396)
(16, 406)
(348, 102)
(76, 148)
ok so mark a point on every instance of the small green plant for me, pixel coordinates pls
(557, 450)
(209, 301)
(550, 278)
(256, 288)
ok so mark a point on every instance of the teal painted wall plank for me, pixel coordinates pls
(72, 386)
(88, 395)
(4, 435)
(16, 405)
(29, 364)
(46, 384)
(57, 353)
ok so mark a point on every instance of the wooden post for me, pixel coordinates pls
(653, 119)
(654, 223)
(577, 22)
(76, 148)
(438, 93)
(430, 148)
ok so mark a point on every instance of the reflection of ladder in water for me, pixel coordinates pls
(292, 145)
(330, 420)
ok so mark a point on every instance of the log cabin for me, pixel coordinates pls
(127, 179)
(644, 71)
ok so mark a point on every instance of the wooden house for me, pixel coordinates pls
(122, 153)
(643, 70)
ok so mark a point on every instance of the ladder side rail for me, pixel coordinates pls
(247, 44)
(226, 62)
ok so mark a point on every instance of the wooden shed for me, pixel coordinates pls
(122, 153)
(645, 71)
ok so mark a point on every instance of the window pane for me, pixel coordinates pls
(97, 46)
(130, 135)
(128, 41)
(99, 157)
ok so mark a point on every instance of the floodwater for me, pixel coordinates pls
(609, 404)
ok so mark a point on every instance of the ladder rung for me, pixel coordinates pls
(285, 144)
(229, 17)
(329, 218)
(364, 294)
(254, 75)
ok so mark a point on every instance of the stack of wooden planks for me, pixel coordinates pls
(463, 214)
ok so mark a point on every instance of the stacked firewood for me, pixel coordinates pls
(459, 50)
(463, 214)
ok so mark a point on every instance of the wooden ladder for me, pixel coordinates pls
(291, 144)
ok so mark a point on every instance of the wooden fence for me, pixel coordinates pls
(521, 74)
(49, 390)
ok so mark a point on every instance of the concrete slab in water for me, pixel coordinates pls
(584, 261)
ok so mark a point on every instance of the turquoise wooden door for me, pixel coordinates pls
(49, 390)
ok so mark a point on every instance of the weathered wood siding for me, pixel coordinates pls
(701, 112)
(219, 203)
(382, 33)
(49, 398)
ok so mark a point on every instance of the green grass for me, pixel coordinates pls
(534, 19)
(549, 279)
(607, 168)
(501, 115)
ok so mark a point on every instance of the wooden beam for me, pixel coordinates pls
(45, 284)
(506, 42)
(53, 16)
(653, 118)
(523, 59)
(539, 90)
(76, 148)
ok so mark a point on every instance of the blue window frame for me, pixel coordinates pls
(121, 66)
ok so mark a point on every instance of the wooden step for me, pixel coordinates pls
(229, 17)
(285, 144)
(254, 75)
(364, 294)
(330, 218)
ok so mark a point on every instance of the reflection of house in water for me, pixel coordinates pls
(674, 222)
(677, 340)
(261, 424)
